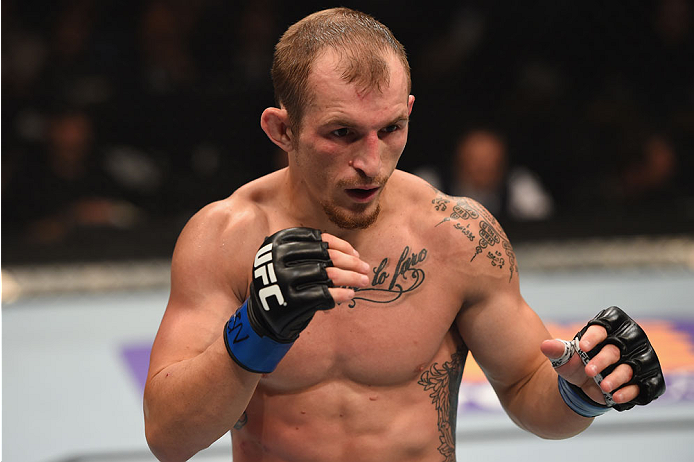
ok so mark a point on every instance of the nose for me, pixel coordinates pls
(368, 158)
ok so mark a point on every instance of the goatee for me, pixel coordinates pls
(355, 220)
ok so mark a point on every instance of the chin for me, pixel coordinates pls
(349, 219)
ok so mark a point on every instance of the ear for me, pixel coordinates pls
(275, 124)
(410, 103)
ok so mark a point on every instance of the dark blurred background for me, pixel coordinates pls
(120, 119)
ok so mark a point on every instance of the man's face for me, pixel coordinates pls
(350, 141)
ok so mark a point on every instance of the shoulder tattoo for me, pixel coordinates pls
(488, 236)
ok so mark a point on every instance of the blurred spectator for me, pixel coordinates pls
(173, 90)
(63, 187)
(168, 62)
(81, 64)
(481, 171)
(648, 173)
(23, 59)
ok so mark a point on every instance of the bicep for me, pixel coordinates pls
(504, 335)
(502, 332)
(206, 287)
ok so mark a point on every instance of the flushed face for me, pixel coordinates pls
(350, 141)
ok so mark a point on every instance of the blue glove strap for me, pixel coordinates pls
(576, 399)
(251, 351)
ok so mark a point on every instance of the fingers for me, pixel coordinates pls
(626, 394)
(338, 244)
(618, 377)
(348, 270)
(347, 278)
(593, 335)
(607, 356)
(348, 262)
(341, 294)
(621, 375)
(574, 371)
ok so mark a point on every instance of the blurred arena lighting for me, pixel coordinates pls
(644, 252)
(55, 279)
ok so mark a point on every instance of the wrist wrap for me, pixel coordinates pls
(251, 351)
(578, 401)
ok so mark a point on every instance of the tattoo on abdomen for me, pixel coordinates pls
(443, 385)
(490, 235)
(388, 285)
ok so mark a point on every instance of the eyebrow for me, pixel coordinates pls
(347, 123)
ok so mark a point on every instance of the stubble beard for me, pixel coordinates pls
(357, 220)
(360, 217)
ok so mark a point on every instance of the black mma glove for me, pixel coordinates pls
(635, 350)
(289, 285)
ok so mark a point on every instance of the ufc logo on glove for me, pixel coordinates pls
(265, 270)
(289, 266)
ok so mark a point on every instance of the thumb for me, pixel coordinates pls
(554, 349)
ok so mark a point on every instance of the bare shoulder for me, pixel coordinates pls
(464, 229)
(218, 242)
(210, 273)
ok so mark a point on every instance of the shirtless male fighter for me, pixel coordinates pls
(324, 312)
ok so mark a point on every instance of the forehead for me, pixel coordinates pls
(332, 93)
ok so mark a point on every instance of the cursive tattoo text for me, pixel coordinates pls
(387, 286)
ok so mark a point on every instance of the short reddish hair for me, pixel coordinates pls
(360, 41)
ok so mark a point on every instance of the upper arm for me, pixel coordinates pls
(209, 278)
(502, 332)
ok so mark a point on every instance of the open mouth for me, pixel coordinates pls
(362, 194)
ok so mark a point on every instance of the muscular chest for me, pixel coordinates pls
(389, 333)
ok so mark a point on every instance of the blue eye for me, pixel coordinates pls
(341, 132)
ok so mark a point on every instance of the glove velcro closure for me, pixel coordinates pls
(251, 351)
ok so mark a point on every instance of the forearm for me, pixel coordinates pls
(190, 404)
(536, 406)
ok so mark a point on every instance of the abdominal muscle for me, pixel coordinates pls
(358, 409)
(365, 384)
(340, 421)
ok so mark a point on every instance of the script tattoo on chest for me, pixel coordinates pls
(389, 284)
(443, 384)
(490, 237)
